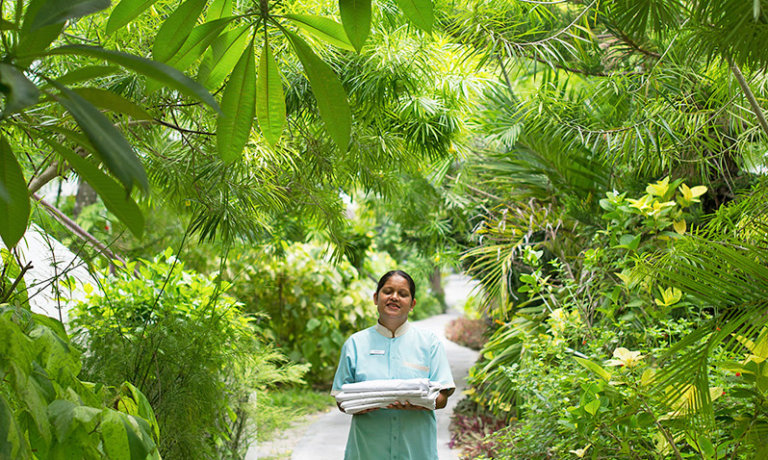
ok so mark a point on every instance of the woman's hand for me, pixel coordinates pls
(405, 406)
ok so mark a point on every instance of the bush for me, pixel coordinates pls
(47, 412)
(178, 337)
(471, 427)
(311, 304)
(467, 332)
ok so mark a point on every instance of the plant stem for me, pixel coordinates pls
(78, 230)
(749, 94)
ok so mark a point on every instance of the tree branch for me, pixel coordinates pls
(758, 111)
(78, 230)
(51, 172)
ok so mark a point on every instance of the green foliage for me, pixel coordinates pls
(48, 412)
(312, 305)
(179, 338)
(14, 202)
(567, 311)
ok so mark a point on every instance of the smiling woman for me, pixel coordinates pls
(393, 349)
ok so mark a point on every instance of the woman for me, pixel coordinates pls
(394, 349)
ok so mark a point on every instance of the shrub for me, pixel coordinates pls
(467, 332)
(47, 412)
(311, 304)
(178, 337)
(471, 427)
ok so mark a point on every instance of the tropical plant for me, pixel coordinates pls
(184, 342)
(46, 410)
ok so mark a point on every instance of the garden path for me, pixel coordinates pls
(324, 436)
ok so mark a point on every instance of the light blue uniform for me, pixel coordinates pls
(372, 354)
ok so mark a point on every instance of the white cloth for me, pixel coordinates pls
(386, 385)
(370, 394)
(343, 396)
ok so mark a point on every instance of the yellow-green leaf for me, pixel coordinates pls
(659, 189)
(219, 9)
(680, 226)
(197, 42)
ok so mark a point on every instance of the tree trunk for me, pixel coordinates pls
(86, 195)
(436, 284)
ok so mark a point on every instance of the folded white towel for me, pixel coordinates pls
(361, 404)
(344, 396)
(386, 385)
(359, 396)
(388, 399)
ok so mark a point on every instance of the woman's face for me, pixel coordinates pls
(394, 300)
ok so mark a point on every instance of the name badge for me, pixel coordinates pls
(377, 352)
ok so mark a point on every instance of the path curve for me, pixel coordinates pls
(326, 436)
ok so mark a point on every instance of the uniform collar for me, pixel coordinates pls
(398, 332)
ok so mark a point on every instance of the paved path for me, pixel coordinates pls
(326, 436)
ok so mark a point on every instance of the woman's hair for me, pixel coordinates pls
(390, 274)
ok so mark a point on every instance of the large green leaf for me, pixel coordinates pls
(16, 211)
(594, 367)
(61, 414)
(114, 196)
(58, 11)
(330, 94)
(87, 73)
(238, 105)
(112, 101)
(270, 102)
(197, 42)
(114, 436)
(155, 70)
(175, 30)
(222, 57)
(10, 437)
(110, 145)
(322, 28)
(356, 17)
(19, 91)
(419, 12)
(219, 9)
(32, 42)
(139, 440)
(143, 407)
(124, 13)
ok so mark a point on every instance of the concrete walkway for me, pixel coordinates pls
(325, 437)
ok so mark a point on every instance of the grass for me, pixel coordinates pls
(278, 409)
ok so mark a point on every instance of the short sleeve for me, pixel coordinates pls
(440, 369)
(345, 372)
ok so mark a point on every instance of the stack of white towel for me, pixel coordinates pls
(357, 397)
